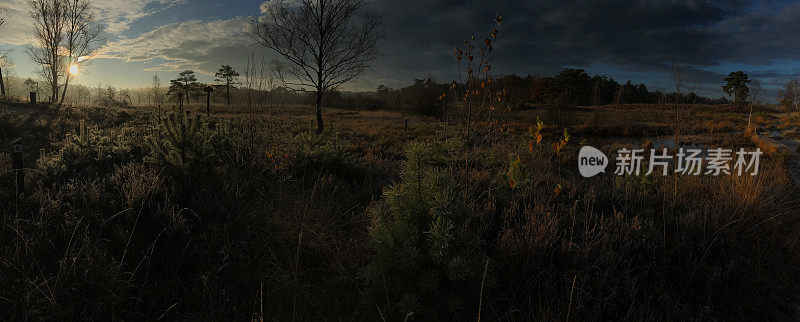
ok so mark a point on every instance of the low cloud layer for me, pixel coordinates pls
(201, 46)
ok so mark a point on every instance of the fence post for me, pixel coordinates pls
(33, 98)
(18, 166)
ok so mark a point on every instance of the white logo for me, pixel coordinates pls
(591, 161)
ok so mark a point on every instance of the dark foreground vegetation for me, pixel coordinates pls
(130, 215)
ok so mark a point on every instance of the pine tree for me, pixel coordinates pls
(182, 142)
(427, 262)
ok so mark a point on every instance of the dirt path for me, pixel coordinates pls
(793, 165)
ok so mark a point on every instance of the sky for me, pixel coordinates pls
(636, 40)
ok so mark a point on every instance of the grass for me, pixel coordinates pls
(277, 222)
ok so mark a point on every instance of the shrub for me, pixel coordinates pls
(326, 150)
(90, 149)
(427, 263)
(183, 143)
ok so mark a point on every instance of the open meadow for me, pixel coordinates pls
(144, 214)
(384, 160)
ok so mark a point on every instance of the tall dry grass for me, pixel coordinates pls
(274, 225)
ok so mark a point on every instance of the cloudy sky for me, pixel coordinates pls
(636, 40)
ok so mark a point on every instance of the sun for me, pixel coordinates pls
(73, 69)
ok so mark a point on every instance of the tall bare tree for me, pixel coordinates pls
(65, 31)
(48, 18)
(82, 36)
(2, 81)
(323, 43)
(3, 63)
(755, 97)
(2, 20)
(789, 96)
(155, 91)
(2, 13)
(2, 55)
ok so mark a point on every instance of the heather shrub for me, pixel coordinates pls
(626, 247)
(87, 150)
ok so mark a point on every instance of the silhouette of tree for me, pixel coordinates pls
(48, 17)
(155, 91)
(65, 30)
(323, 43)
(2, 85)
(82, 36)
(573, 86)
(789, 96)
(186, 83)
(228, 76)
(31, 85)
(736, 85)
(3, 10)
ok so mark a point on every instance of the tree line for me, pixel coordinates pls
(573, 87)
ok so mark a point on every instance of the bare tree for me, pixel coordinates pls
(755, 91)
(789, 96)
(65, 34)
(793, 86)
(82, 36)
(155, 91)
(680, 116)
(324, 43)
(755, 97)
(2, 80)
(2, 55)
(6, 72)
(2, 13)
(48, 18)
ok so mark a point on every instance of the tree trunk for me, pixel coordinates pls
(2, 85)
(228, 94)
(54, 77)
(320, 125)
(64, 93)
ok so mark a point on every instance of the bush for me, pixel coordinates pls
(427, 263)
(184, 144)
(326, 150)
(89, 150)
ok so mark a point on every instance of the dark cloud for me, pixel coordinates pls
(544, 36)
(623, 39)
